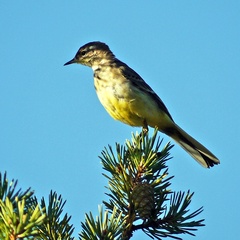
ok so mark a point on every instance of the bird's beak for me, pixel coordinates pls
(70, 62)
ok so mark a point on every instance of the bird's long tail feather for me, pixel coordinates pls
(200, 153)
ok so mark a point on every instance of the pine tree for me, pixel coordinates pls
(139, 199)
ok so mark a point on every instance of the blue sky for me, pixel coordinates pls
(53, 128)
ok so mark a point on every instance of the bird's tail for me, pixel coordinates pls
(192, 146)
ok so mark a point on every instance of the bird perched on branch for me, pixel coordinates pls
(129, 99)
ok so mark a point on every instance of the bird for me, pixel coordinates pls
(128, 98)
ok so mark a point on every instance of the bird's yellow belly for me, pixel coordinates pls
(120, 110)
(131, 107)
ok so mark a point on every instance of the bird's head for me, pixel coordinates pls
(92, 54)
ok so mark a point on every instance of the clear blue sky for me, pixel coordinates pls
(52, 126)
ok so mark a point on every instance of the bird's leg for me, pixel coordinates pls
(145, 127)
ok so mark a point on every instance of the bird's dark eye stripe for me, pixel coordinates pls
(83, 52)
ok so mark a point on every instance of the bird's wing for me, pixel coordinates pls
(138, 82)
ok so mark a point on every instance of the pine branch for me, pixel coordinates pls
(22, 217)
(18, 218)
(139, 194)
(55, 228)
(138, 185)
(105, 227)
(9, 190)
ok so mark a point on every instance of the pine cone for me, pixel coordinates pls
(143, 200)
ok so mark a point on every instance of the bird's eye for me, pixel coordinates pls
(83, 53)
